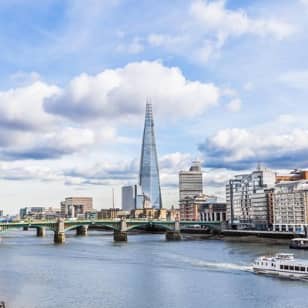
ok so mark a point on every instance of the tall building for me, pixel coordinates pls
(190, 182)
(247, 200)
(149, 172)
(132, 198)
(128, 197)
(76, 206)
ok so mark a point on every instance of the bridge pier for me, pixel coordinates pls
(121, 235)
(40, 232)
(82, 231)
(174, 235)
(59, 236)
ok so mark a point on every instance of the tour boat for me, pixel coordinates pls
(282, 265)
(299, 243)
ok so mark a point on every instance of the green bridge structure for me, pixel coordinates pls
(120, 227)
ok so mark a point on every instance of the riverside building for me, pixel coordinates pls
(189, 206)
(247, 199)
(290, 205)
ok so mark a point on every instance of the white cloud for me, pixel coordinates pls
(18, 171)
(295, 79)
(213, 16)
(242, 148)
(209, 24)
(22, 107)
(234, 105)
(121, 92)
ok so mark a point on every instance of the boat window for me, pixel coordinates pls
(281, 267)
(273, 264)
(286, 267)
(302, 269)
(291, 268)
(297, 268)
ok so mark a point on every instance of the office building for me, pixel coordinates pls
(134, 198)
(149, 171)
(247, 200)
(76, 207)
(190, 182)
(290, 205)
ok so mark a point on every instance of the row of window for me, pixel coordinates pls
(287, 267)
(293, 268)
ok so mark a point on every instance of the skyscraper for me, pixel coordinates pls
(149, 172)
(190, 182)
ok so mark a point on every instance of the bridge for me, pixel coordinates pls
(120, 227)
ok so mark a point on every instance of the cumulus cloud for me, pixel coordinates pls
(22, 108)
(49, 145)
(115, 93)
(240, 149)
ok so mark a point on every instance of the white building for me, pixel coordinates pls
(290, 205)
(247, 198)
(190, 182)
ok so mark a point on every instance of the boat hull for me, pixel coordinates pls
(277, 273)
(298, 246)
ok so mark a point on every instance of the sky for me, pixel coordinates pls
(228, 81)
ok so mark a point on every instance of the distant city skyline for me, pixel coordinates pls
(228, 81)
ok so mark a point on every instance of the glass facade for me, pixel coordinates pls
(149, 172)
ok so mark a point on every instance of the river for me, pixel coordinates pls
(146, 272)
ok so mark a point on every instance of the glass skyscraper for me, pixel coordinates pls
(149, 172)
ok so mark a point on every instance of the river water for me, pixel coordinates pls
(146, 272)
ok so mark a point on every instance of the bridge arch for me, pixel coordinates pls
(166, 227)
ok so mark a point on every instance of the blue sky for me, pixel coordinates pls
(228, 81)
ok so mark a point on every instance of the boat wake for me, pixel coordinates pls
(217, 266)
(222, 266)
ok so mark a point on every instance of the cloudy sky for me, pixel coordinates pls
(228, 81)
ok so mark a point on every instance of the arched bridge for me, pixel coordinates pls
(119, 226)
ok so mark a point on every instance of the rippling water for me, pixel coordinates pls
(146, 272)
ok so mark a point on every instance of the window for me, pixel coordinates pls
(303, 269)
(281, 267)
(291, 268)
(286, 267)
(297, 268)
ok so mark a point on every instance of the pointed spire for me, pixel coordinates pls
(149, 172)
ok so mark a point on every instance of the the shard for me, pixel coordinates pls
(149, 172)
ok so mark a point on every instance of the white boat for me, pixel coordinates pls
(283, 265)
